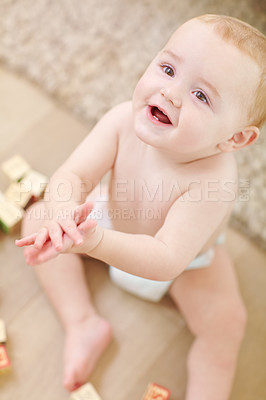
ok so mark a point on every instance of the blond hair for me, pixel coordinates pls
(252, 42)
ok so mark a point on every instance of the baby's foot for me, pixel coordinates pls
(85, 342)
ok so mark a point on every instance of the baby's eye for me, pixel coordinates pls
(168, 70)
(201, 96)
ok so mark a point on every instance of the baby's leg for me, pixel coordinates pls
(212, 306)
(87, 334)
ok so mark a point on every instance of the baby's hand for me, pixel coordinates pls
(41, 246)
(66, 222)
(89, 230)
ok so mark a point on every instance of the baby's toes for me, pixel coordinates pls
(71, 381)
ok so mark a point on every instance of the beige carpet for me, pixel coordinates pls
(89, 54)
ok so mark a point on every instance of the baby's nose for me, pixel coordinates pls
(173, 98)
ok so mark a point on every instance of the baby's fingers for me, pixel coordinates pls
(87, 225)
(56, 233)
(26, 241)
(82, 212)
(35, 257)
(49, 251)
(72, 231)
(41, 238)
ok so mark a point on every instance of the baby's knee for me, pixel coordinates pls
(33, 218)
(231, 320)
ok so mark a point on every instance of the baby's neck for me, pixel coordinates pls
(170, 159)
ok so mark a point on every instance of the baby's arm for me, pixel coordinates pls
(80, 173)
(188, 226)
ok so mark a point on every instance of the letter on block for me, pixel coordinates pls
(4, 360)
(156, 392)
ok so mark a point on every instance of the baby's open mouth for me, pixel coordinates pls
(160, 116)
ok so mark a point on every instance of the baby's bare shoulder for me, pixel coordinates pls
(121, 116)
(122, 110)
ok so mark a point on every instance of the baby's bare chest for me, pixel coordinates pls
(141, 193)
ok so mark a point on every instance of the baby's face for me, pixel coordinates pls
(195, 94)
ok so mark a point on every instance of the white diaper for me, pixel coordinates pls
(141, 287)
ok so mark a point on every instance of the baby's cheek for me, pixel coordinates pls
(137, 93)
(189, 136)
(142, 89)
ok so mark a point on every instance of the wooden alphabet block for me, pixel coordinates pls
(15, 168)
(156, 392)
(10, 215)
(18, 194)
(4, 360)
(2, 331)
(35, 183)
(85, 392)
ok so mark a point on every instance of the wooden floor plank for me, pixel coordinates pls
(18, 283)
(21, 106)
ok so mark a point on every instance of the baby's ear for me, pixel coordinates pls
(240, 139)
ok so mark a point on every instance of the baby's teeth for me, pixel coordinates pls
(156, 117)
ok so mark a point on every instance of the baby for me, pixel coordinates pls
(172, 187)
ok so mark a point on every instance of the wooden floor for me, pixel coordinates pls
(151, 341)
